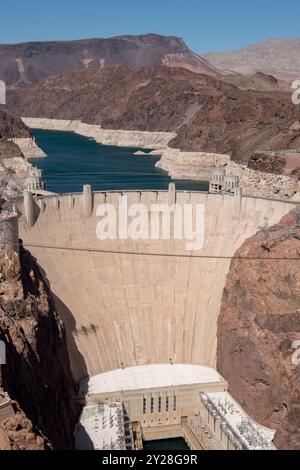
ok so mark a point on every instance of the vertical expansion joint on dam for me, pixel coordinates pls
(29, 208)
(42, 205)
(172, 193)
(56, 203)
(71, 201)
(87, 200)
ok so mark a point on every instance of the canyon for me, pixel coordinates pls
(124, 303)
(143, 302)
(207, 114)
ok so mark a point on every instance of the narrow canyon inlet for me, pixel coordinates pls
(73, 160)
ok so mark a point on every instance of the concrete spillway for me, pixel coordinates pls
(128, 302)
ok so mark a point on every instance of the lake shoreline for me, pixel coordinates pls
(74, 160)
(118, 138)
(182, 165)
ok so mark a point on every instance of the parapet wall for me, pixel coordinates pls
(129, 302)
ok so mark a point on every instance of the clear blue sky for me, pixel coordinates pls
(205, 25)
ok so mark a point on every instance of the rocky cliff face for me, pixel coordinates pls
(13, 167)
(37, 376)
(207, 114)
(259, 329)
(11, 126)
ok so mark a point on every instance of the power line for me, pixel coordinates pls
(163, 255)
(158, 175)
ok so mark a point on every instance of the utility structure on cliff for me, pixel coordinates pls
(34, 180)
(222, 183)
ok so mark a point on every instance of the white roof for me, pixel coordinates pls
(100, 428)
(253, 435)
(149, 377)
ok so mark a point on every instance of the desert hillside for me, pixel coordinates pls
(207, 114)
(279, 57)
(21, 64)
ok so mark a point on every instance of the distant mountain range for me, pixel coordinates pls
(279, 57)
(147, 83)
(26, 63)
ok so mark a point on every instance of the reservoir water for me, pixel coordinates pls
(73, 160)
(166, 444)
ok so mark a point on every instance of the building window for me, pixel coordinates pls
(144, 406)
(159, 404)
(174, 403)
(167, 404)
(152, 404)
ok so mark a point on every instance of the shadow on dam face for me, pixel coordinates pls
(70, 328)
(136, 302)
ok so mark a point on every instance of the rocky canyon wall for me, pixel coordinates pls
(259, 329)
(36, 380)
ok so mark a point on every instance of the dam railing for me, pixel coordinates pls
(180, 191)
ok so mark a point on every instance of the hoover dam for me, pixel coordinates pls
(138, 302)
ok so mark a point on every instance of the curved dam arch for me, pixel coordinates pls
(137, 302)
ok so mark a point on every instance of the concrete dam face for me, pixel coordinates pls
(137, 302)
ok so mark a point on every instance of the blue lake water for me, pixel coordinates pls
(73, 160)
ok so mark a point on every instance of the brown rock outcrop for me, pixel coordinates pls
(11, 126)
(37, 375)
(17, 433)
(267, 162)
(259, 329)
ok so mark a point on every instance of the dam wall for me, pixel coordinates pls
(137, 302)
